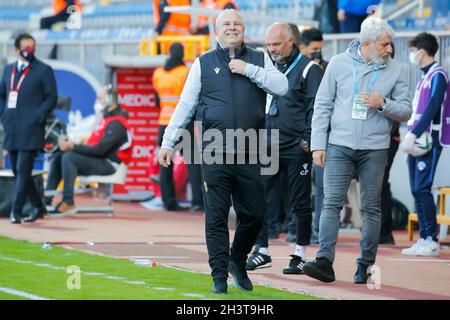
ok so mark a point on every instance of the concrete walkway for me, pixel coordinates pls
(178, 239)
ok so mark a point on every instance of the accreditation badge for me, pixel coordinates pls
(359, 110)
(12, 99)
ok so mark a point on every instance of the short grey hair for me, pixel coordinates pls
(286, 29)
(219, 17)
(295, 32)
(373, 27)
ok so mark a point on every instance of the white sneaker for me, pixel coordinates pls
(153, 204)
(429, 248)
(414, 250)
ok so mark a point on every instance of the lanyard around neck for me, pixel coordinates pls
(373, 79)
(13, 74)
(292, 66)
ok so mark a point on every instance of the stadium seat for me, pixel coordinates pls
(119, 177)
(441, 218)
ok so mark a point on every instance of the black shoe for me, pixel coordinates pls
(258, 261)
(177, 207)
(291, 238)
(387, 239)
(321, 269)
(15, 218)
(239, 275)
(295, 266)
(220, 286)
(197, 208)
(361, 275)
(36, 214)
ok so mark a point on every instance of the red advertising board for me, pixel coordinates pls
(137, 96)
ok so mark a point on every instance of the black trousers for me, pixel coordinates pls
(22, 166)
(69, 165)
(386, 195)
(243, 184)
(275, 205)
(298, 168)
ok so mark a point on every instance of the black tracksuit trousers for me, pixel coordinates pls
(298, 167)
(241, 183)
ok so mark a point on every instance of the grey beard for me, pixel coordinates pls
(376, 58)
(278, 58)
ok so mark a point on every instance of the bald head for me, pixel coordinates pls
(279, 42)
(279, 29)
(226, 14)
(230, 28)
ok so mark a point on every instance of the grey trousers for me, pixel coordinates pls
(341, 165)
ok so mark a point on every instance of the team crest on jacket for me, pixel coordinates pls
(305, 171)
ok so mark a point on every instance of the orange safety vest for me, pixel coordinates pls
(168, 85)
(60, 5)
(178, 24)
(212, 4)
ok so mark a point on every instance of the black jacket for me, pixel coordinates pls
(24, 126)
(115, 136)
(295, 109)
(227, 100)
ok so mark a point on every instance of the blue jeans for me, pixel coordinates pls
(318, 198)
(421, 175)
(341, 164)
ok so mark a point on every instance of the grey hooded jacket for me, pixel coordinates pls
(334, 102)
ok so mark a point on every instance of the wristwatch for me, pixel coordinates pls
(383, 104)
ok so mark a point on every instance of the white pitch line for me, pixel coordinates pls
(155, 257)
(97, 274)
(22, 294)
(193, 295)
(163, 288)
(419, 260)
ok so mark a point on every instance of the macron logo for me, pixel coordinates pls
(217, 70)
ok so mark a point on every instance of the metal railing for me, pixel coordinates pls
(90, 54)
(337, 43)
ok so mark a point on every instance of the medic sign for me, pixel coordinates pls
(137, 96)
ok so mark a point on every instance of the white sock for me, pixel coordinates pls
(300, 251)
(264, 251)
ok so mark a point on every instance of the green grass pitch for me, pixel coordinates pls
(27, 268)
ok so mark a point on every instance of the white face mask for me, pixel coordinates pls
(413, 57)
(98, 108)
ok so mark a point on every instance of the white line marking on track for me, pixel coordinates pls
(22, 294)
(420, 260)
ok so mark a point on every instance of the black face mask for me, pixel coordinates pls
(27, 54)
(316, 55)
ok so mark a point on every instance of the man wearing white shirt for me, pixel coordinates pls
(229, 85)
